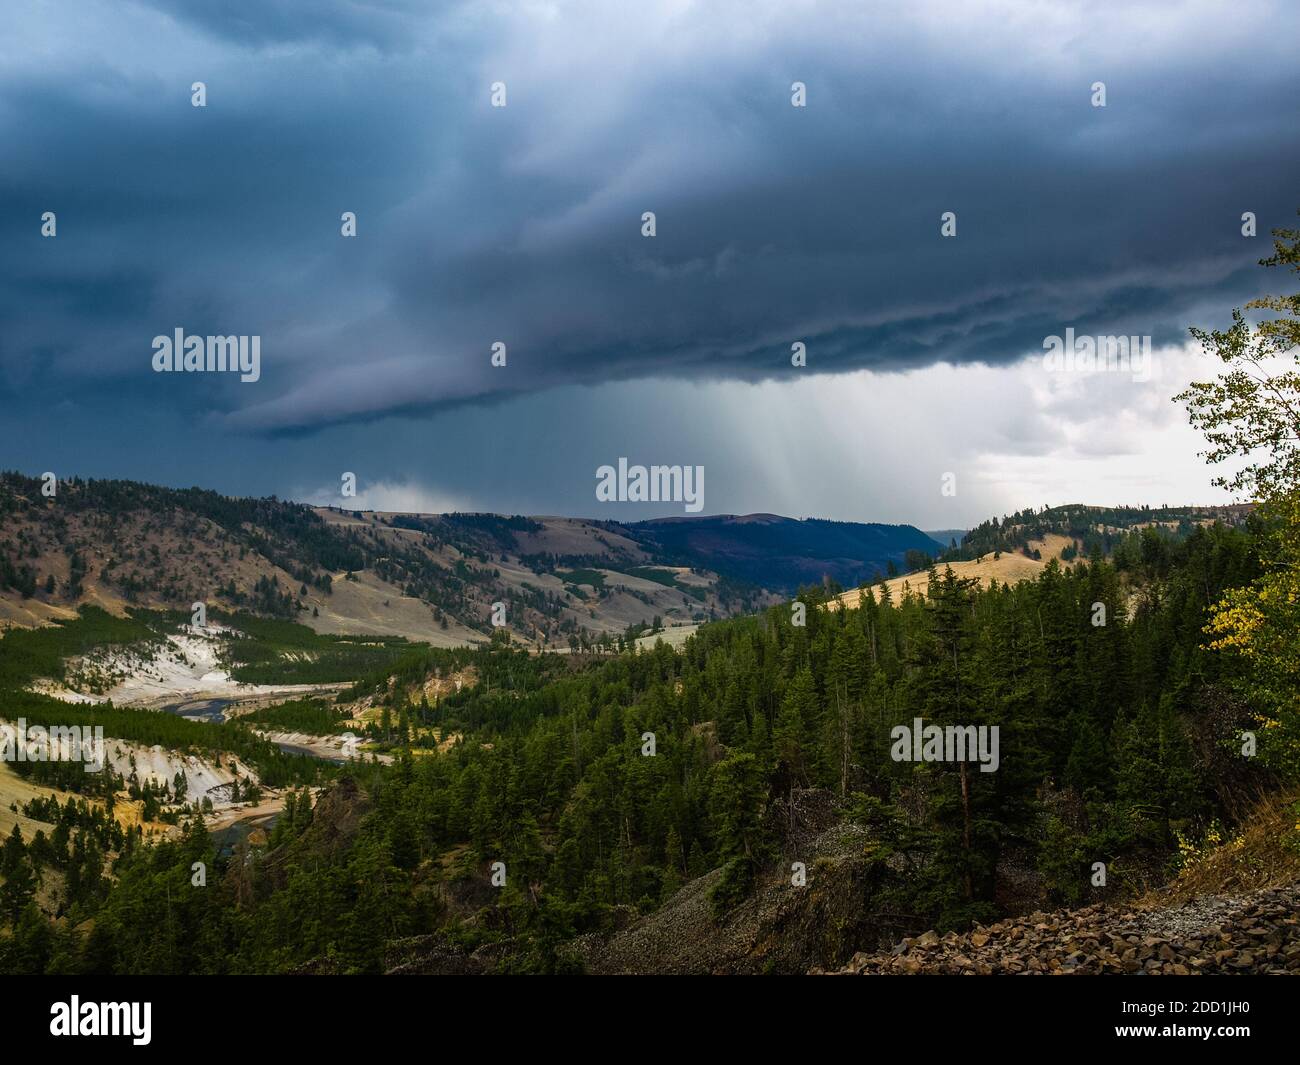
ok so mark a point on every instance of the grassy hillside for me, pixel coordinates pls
(432, 578)
(1090, 528)
(564, 583)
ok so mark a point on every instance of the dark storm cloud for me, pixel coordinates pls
(339, 23)
(522, 224)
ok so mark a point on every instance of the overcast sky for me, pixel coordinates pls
(523, 224)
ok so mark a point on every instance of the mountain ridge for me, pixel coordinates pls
(437, 577)
(432, 577)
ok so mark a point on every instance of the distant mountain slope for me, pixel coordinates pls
(1103, 528)
(1005, 569)
(1019, 547)
(944, 537)
(784, 553)
(433, 578)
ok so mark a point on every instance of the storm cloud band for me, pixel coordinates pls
(522, 224)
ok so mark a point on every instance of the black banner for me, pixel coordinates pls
(150, 1014)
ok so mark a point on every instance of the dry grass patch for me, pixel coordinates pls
(1264, 853)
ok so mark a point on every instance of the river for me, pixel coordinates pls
(214, 712)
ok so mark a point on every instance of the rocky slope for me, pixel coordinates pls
(1254, 933)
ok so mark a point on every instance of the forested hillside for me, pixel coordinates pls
(120, 544)
(1116, 746)
(562, 582)
(785, 554)
(1110, 530)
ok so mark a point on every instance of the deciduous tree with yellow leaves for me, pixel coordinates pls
(1251, 415)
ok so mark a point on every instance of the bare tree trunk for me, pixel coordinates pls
(965, 811)
(845, 751)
